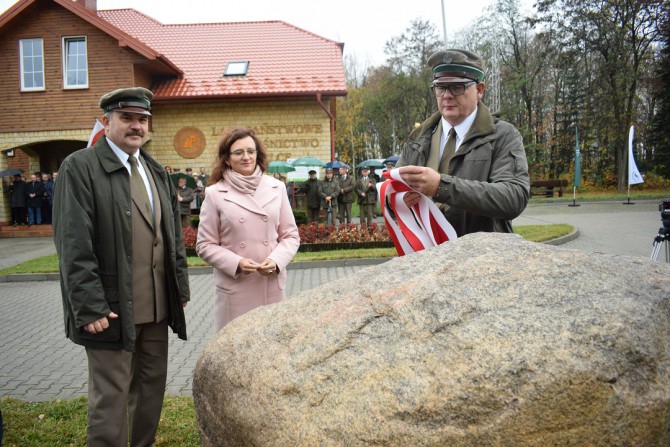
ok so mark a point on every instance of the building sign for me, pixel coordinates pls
(189, 142)
(283, 139)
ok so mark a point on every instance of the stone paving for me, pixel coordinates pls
(38, 363)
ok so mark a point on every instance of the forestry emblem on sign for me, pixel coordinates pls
(189, 142)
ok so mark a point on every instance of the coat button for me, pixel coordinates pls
(127, 212)
(243, 244)
(266, 242)
(241, 219)
(265, 218)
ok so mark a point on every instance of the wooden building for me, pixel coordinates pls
(60, 56)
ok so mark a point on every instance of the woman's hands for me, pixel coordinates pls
(266, 268)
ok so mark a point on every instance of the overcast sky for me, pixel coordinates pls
(363, 25)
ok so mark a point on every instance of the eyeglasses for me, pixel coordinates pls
(454, 89)
(240, 153)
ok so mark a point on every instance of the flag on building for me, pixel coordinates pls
(578, 162)
(98, 131)
(634, 176)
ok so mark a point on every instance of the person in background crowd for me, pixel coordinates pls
(168, 168)
(329, 189)
(377, 180)
(374, 175)
(123, 272)
(204, 177)
(185, 197)
(47, 198)
(471, 163)
(247, 231)
(311, 190)
(17, 197)
(34, 193)
(366, 188)
(346, 197)
(197, 194)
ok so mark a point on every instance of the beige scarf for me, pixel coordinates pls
(246, 184)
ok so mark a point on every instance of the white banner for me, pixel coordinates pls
(634, 176)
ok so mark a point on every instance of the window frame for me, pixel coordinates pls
(236, 68)
(22, 71)
(64, 46)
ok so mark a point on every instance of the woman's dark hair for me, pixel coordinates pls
(220, 166)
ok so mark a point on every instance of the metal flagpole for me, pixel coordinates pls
(444, 25)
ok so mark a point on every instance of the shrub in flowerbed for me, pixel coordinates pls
(190, 236)
(314, 234)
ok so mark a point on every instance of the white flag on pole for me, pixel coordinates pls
(98, 131)
(634, 176)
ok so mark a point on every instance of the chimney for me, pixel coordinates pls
(90, 4)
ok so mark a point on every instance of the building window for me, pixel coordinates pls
(32, 64)
(75, 63)
(236, 68)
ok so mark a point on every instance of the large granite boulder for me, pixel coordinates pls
(485, 341)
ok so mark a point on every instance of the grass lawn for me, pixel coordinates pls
(535, 233)
(63, 423)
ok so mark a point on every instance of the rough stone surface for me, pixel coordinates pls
(488, 341)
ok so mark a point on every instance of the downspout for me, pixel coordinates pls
(332, 126)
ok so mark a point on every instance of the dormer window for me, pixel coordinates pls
(236, 68)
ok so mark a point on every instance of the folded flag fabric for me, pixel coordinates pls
(411, 229)
(98, 131)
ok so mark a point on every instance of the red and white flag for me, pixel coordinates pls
(98, 131)
(411, 229)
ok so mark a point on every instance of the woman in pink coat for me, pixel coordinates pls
(247, 231)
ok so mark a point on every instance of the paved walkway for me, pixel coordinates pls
(38, 363)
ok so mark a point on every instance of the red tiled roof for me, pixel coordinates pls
(283, 60)
(124, 39)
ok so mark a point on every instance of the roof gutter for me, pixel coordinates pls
(332, 126)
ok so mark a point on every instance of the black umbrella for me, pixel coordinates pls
(190, 181)
(10, 172)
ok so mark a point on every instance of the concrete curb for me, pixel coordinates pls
(24, 277)
(563, 239)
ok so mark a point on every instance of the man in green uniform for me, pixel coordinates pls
(123, 272)
(471, 163)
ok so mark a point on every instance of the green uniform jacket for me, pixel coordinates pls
(488, 183)
(347, 193)
(311, 190)
(370, 191)
(329, 188)
(92, 228)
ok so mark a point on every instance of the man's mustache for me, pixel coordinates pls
(134, 133)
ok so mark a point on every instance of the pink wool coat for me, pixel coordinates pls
(233, 226)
